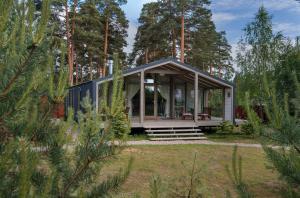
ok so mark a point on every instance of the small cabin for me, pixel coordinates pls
(165, 94)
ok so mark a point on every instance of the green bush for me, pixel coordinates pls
(225, 127)
(247, 128)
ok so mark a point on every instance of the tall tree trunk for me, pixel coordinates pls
(182, 39)
(188, 46)
(69, 50)
(77, 72)
(91, 66)
(146, 56)
(73, 44)
(105, 46)
(81, 75)
(174, 54)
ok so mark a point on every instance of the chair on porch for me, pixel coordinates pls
(188, 115)
(205, 115)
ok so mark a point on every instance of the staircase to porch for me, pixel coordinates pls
(175, 133)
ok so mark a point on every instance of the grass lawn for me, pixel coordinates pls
(232, 138)
(215, 137)
(166, 161)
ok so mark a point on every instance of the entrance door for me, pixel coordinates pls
(149, 101)
(179, 105)
(155, 98)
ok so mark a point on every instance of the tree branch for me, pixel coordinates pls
(17, 74)
(81, 170)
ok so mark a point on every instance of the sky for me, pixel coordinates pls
(232, 16)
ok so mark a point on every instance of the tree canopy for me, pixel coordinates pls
(160, 31)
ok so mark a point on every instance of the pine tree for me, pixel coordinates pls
(170, 23)
(87, 39)
(282, 131)
(41, 156)
(236, 176)
(160, 31)
(156, 187)
(151, 39)
(118, 120)
(115, 29)
(208, 49)
(59, 20)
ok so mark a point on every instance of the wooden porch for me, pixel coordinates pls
(171, 123)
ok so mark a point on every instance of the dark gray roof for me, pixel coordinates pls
(162, 61)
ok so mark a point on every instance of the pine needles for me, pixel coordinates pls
(41, 156)
(236, 176)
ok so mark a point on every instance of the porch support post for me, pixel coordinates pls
(196, 98)
(223, 104)
(142, 97)
(172, 99)
(206, 91)
(228, 100)
(155, 96)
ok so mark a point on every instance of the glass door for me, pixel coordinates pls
(149, 100)
(179, 105)
(149, 96)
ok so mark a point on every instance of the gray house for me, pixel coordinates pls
(169, 96)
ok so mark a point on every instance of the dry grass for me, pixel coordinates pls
(166, 161)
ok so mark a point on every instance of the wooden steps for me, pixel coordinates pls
(178, 138)
(175, 133)
(172, 130)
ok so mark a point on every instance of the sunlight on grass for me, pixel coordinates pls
(166, 161)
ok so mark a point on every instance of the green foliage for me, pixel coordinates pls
(247, 128)
(113, 182)
(57, 82)
(158, 35)
(283, 131)
(150, 41)
(41, 156)
(215, 102)
(189, 185)
(225, 127)
(88, 39)
(259, 52)
(156, 187)
(89, 35)
(111, 11)
(285, 83)
(235, 176)
(118, 120)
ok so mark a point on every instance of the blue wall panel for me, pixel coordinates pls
(77, 93)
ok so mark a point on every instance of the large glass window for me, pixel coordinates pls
(190, 97)
(133, 95)
(134, 109)
(164, 101)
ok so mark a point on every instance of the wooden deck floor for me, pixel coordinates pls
(175, 123)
